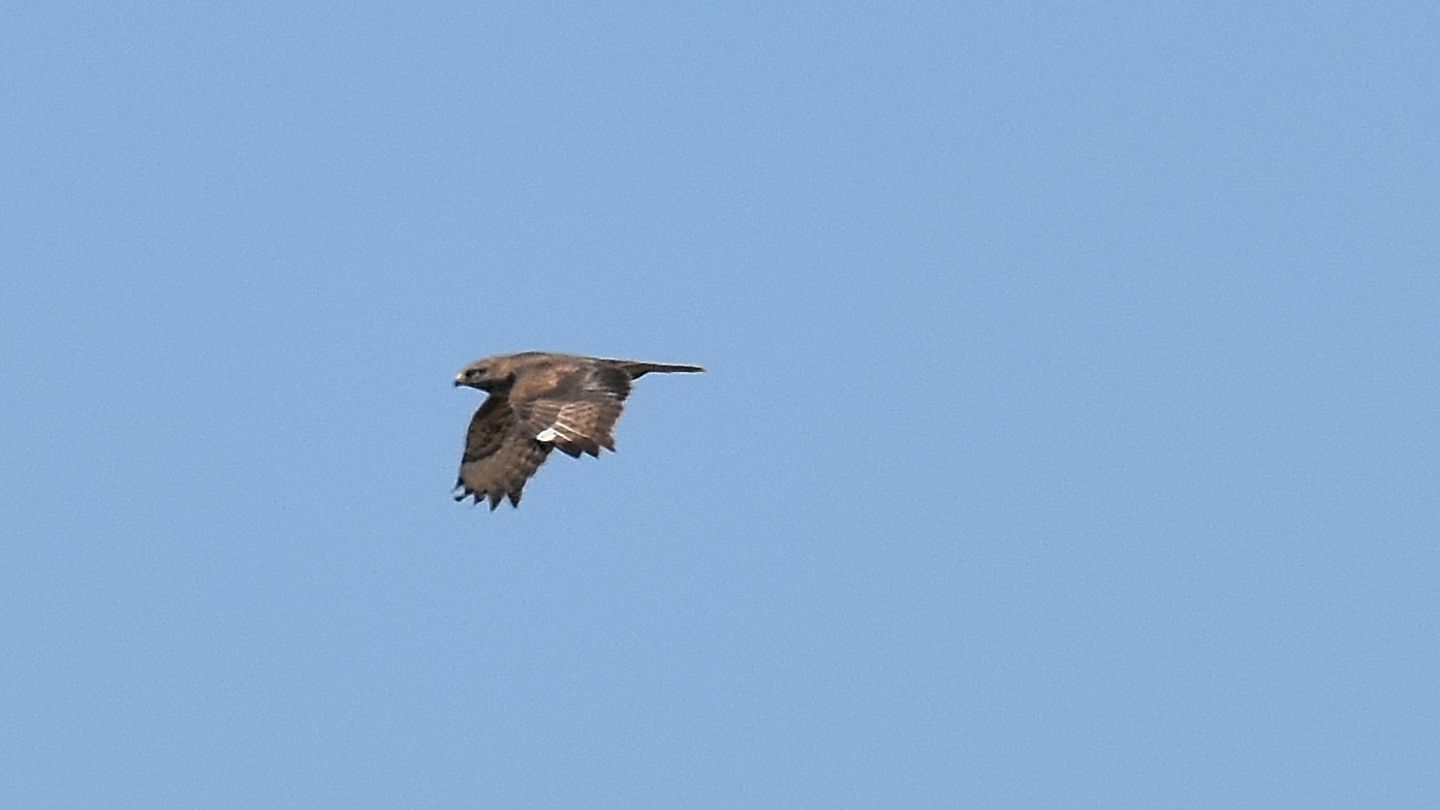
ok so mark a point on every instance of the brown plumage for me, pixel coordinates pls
(539, 402)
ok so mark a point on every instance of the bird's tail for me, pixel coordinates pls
(637, 369)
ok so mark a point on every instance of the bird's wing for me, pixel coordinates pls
(578, 413)
(499, 458)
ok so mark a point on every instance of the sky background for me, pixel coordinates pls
(1069, 437)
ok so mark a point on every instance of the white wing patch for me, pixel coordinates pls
(563, 427)
(576, 427)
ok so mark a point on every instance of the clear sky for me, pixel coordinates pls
(1069, 437)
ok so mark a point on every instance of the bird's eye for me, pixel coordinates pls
(476, 372)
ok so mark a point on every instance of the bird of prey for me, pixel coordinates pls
(540, 402)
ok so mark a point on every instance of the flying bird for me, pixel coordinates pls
(539, 402)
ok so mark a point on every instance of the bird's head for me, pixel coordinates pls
(487, 375)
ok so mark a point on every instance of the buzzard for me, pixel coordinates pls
(540, 402)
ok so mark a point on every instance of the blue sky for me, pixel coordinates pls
(1068, 439)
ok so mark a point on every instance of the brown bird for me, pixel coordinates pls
(538, 402)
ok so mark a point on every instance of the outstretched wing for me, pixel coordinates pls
(578, 414)
(498, 458)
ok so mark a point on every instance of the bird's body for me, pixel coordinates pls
(539, 402)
